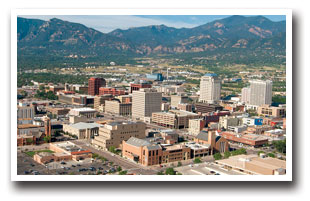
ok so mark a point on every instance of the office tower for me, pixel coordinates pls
(178, 99)
(94, 83)
(145, 102)
(210, 88)
(260, 92)
(245, 95)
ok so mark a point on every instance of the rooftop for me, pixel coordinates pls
(83, 125)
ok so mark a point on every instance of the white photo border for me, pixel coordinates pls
(289, 134)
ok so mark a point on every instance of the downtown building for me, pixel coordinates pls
(114, 133)
(210, 88)
(258, 93)
(145, 102)
(94, 83)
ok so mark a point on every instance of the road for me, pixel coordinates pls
(124, 163)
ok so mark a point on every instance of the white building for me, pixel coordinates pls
(210, 88)
(145, 102)
(245, 95)
(260, 92)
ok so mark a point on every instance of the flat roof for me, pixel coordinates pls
(83, 125)
(84, 109)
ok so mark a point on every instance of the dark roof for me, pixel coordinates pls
(217, 138)
(203, 135)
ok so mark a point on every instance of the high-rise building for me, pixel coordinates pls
(245, 95)
(210, 88)
(145, 102)
(94, 83)
(178, 99)
(260, 92)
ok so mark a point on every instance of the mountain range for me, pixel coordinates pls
(55, 39)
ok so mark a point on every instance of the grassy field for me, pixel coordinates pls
(32, 153)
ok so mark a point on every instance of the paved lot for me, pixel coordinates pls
(124, 163)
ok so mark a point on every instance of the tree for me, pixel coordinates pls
(260, 152)
(41, 87)
(280, 145)
(160, 173)
(170, 171)
(179, 164)
(119, 168)
(123, 172)
(112, 149)
(271, 155)
(227, 154)
(47, 139)
(197, 160)
(29, 141)
(217, 156)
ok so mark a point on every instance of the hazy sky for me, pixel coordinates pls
(107, 23)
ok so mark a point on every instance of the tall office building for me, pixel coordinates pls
(210, 88)
(245, 95)
(145, 102)
(178, 99)
(94, 83)
(260, 92)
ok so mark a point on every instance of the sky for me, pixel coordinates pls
(108, 23)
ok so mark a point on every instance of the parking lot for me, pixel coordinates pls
(27, 166)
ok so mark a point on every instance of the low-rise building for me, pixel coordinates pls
(227, 121)
(63, 151)
(206, 108)
(85, 111)
(147, 153)
(82, 130)
(254, 165)
(267, 110)
(113, 133)
(110, 90)
(100, 101)
(216, 142)
(258, 129)
(248, 139)
(173, 119)
(116, 107)
(58, 110)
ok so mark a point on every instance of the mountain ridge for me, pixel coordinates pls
(58, 38)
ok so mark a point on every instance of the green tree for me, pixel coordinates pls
(197, 160)
(29, 141)
(259, 152)
(280, 145)
(271, 155)
(227, 154)
(119, 168)
(112, 149)
(123, 172)
(47, 139)
(217, 156)
(170, 171)
(179, 164)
